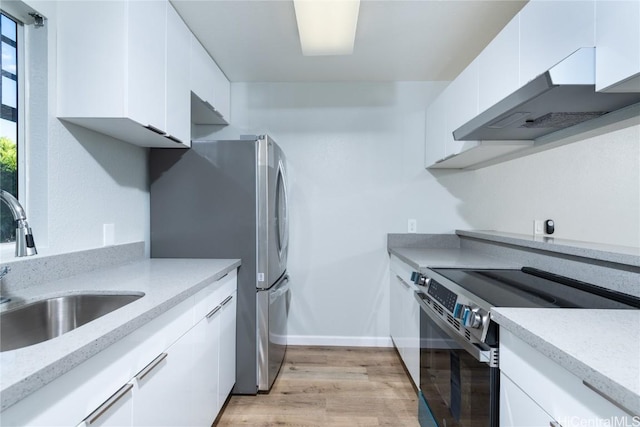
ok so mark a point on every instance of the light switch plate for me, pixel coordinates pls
(538, 226)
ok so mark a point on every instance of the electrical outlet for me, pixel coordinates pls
(412, 226)
(538, 226)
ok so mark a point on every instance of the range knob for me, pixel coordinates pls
(419, 279)
(458, 310)
(471, 318)
(415, 277)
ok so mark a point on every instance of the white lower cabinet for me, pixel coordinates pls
(405, 318)
(536, 391)
(227, 340)
(163, 390)
(517, 409)
(177, 370)
(114, 412)
(206, 371)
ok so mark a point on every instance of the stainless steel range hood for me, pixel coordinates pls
(558, 99)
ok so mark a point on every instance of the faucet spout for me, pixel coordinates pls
(25, 245)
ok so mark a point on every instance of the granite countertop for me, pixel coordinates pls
(423, 258)
(422, 251)
(165, 283)
(597, 251)
(611, 364)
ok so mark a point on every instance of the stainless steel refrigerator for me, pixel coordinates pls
(228, 199)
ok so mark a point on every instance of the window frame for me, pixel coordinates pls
(21, 111)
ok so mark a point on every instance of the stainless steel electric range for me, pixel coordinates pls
(459, 373)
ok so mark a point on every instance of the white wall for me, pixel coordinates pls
(356, 163)
(591, 189)
(78, 180)
(355, 155)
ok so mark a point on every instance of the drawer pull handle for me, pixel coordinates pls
(225, 275)
(95, 415)
(155, 129)
(174, 139)
(627, 410)
(226, 300)
(406, 285)
(147, 369)
(214, 311)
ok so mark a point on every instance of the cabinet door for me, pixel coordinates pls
(222, 92)
(114, 412)
(178, 106)
(552, 30)
(227, 347)
(556, 390)
(618, 45)
(499, 66)
(202, 72)
(164, 394)
(412, 333)
(395, 315)
(403, 311)
(461, 105)
(147, 26)
(435, 132)
(205, 375)
(90, 51)
(517, 409)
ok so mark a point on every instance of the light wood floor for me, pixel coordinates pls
(331, 386)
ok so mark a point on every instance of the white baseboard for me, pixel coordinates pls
(339, 341)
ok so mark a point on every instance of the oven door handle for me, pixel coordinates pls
(484, 356)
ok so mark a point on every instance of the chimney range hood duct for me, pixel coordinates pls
(559, 98)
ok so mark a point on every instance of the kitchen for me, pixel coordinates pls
(356, 155)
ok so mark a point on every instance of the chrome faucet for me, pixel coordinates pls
(25, 245)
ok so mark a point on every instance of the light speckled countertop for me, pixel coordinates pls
(601, 347)
(165, 283)
(597, 251)
(423, 258)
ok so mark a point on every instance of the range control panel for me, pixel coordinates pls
(443, 295)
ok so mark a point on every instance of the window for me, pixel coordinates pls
(10, 90)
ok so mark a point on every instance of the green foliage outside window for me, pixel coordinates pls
(8, 182)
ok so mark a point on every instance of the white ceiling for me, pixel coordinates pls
(396, 40)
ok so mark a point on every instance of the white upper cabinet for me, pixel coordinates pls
(178, 105)
(552, 30)
(210, 88)
(112, 74)
(461, 105)
(222, 92)
(499, 66)
(435, 131)
(618, 45)
(131, 74)
(540, 36)
(145, 95)
(202, 72)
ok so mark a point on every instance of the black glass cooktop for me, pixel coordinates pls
(530, 287)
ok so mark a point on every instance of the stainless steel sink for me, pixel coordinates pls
(48, 318)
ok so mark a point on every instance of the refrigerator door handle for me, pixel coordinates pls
(279, 289)
(283, 222)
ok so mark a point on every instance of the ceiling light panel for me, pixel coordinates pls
(327, 27)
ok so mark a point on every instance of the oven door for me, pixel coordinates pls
(458, 388)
